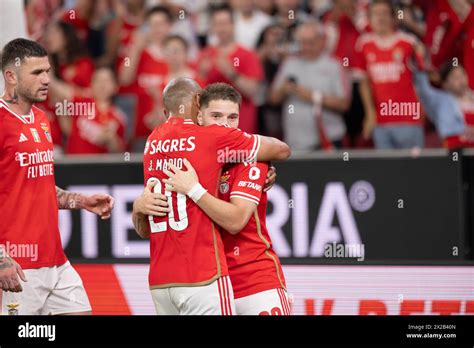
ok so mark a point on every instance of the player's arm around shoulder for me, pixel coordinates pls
(272, 149)
(259, 147)
(231, 216)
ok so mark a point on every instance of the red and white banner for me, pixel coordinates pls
(313, 290)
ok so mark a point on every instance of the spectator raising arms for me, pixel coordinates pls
(231, 63)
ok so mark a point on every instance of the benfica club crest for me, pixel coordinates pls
(13, 308)
(224, 185)
(45, 128)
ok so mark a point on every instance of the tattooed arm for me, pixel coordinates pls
(69, 200)
(99, 203)
(10, 270)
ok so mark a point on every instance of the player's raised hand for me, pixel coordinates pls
(100, 204)
(10, 270)
(181, 181)
(150, 202)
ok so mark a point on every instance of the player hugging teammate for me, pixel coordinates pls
(196, 268)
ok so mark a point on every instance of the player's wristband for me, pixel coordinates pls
(317, 98)
(196, 192)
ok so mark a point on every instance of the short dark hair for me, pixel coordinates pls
(160, 9)
(175, 37)
(21, 49)
(219, 91)
(389, 3)
(221, 8)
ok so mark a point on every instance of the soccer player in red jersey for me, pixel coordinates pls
(32, 260)
(382, 62)
(188, 268)
(254, 268)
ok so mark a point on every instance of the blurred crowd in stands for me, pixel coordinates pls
(320, 74)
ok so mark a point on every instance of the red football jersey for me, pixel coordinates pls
(86, 129)
(246, 63)
(387, 62)
(253, 265)
(186, 247)
(28, 201)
